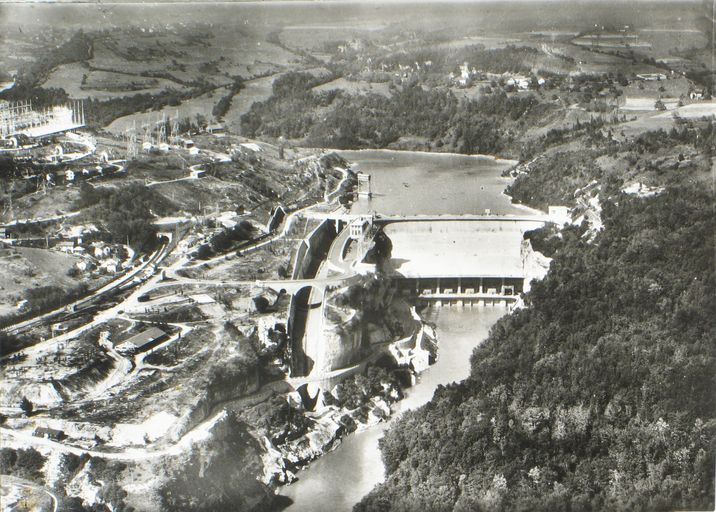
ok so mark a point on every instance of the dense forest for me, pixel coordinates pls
(599, 395)
(340, 120)
(554, 177)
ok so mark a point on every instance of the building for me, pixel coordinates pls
(217, 130)
(100, 250)
(49, 433)
(143, 340)
(559, 215)
(521, 82)
(111, 266)
(59, 328)
(651, 77)
(16, 118)
(359, 226)
(65, 246)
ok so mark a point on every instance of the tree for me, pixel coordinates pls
(26, 406)
(204, 252)
(261, 304)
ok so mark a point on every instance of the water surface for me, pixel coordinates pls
(339, 479)
(410, 183)
(414, 183)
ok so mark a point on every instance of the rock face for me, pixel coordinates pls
(360, 400)
(534, 263)
(211, 479)
(372, 343)
(360, 320)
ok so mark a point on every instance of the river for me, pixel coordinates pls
(339, 479)
(410, 183)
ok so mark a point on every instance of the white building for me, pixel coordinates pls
(559, 215)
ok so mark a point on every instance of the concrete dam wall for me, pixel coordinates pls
(312, 250)
(486, 248)
(311, 253)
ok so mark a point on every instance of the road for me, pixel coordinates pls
(148, 282)
(132, 276)
(26, 485)
(38, 220)
(23, 438)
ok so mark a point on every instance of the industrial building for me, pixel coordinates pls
(20, 118)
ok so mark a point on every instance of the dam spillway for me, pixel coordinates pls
(468, 259)
(471, 261)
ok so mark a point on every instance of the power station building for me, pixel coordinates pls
(20, 118)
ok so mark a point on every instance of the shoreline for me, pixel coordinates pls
(329, 429)
(479, 156)
(529, 209)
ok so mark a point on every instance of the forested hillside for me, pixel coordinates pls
(600, 395)
(339, 120)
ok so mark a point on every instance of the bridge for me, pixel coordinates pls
(387, 219)
(344, 216)
(291, 286)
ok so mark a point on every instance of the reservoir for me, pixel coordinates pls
(415, 183)
(410, 183)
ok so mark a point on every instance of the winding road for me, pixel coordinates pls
(24, 486)
(147, 280)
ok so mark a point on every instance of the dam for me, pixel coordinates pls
(442, 188)
(446, 261)
(474, 261)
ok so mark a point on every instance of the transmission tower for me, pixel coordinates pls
(132, 141)
(147, 136)
(175, 128)
(162, 137)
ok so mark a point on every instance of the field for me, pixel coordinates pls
(104, 85)
(646, 104)
(693, 111)
(24, 267)
(489, 42)
(355, 87)
(258, 89)
(133, 61)
(39, 205)
(672, 87)
(669, 40)
(314, 37)
(201, 105)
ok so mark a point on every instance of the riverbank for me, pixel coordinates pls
(345, 474)
(406, 182)
(492, 158)
(339, 411)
